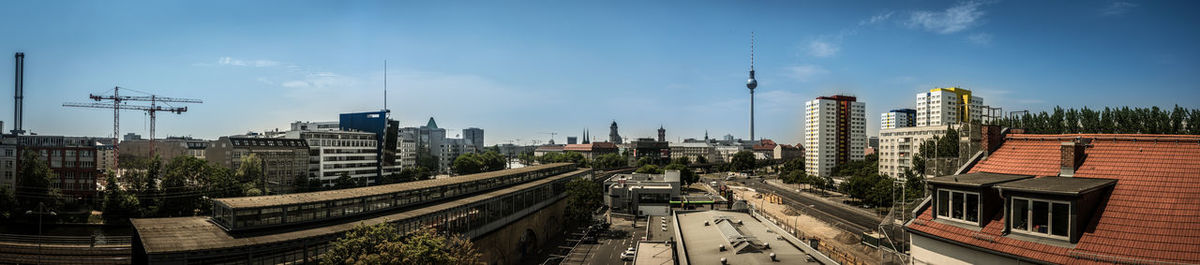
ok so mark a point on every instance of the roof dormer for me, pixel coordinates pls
(1052, 207)
(968, 199)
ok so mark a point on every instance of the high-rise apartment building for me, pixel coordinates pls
(942, 106)
(897, 146)
(835, 132)
(898, 118)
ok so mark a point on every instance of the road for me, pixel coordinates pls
(846, 219)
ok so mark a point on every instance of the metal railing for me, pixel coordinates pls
(67, 240)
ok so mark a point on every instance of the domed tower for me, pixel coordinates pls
(613, 136)
(751, 84)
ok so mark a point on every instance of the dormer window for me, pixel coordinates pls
(1041, 217)
(958, 205)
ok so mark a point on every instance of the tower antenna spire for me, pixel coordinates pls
(751, 84)
(385, 107)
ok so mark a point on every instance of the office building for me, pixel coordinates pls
(649, 148)
(474, 137)
(592, 150)
(942, 106)
(283, 160)
(333, 153)
(8, 161)
(166, 149)
(835, 133)
(898, 146)
(695, 149)
(315, 126)
(572, 140)
(72, 159)
(898, 118)
(642, 194)
(385, 130)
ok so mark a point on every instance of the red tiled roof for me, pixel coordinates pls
(764, 144)
(1151, 216)
(589, 147)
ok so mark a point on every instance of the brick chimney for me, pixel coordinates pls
(992, 138)
(1072, 156)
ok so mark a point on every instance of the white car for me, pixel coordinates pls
(628, 255)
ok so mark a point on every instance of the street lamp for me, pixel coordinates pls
(41, 211)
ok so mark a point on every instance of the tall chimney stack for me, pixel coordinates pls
(1072, 156)
(19, 93)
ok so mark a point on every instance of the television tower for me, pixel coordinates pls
(751, 84)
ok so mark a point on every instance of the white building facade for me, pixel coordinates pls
(835, 133)
(898, 118)
(898, 146)
(333, 153)
(942, 106)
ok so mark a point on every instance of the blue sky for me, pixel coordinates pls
(520, 69)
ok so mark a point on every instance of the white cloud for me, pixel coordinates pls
(239, 62)
(821, 48)
(876, 19)
(805, 73)
(956, 18)
(1117, 8)
(980, 38)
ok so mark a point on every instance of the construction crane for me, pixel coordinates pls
(118, 104)
(552, 135)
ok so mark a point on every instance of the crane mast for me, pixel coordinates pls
(118, 104)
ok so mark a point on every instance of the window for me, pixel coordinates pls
(1042, 217)
(958, 205)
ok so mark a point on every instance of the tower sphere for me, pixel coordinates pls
(751, 83)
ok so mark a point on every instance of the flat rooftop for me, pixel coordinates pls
(701, 241)
(977, 179)
(1058, 185)
(331, 195)
(653, 253)
(185, 234)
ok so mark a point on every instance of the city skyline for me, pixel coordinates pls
(532, 68)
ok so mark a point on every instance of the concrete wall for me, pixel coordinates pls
(531, 233)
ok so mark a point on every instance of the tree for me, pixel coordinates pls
(701, 160)
(609, 161)
(119, 205)
(344, 182)
(742, 161)
(467, 164)
(34, 180)
(649, 169)
(385, 244)
(8, 203)
(492, 161)
(796, 164)
(584, 196)
(185, 179)
(683, 160)
(686, 176)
